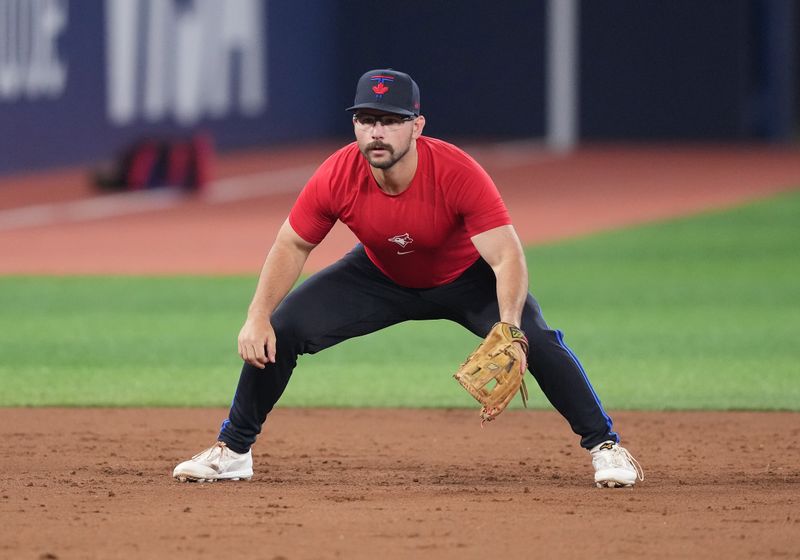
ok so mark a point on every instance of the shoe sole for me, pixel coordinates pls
(196, 479)
(613, 484)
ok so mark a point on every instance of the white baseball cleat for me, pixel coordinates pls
(614, 466)
(218, 462)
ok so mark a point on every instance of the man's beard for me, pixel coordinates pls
(393, 157)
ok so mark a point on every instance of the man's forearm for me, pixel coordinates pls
(501, 248)
(281, 269)
(512, 290)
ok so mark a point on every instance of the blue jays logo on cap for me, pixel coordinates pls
(380, 88)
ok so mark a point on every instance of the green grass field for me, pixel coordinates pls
(696, 313)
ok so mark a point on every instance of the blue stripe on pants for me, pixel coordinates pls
(609, 423)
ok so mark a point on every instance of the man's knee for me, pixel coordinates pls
(291, 331)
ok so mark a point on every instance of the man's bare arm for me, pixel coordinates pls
(501, 248)
(281, 269)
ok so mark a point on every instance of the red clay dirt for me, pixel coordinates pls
(228, 229)
(95, 483)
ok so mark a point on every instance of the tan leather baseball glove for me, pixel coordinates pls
(495, 371)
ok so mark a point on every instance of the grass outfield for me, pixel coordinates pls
(697, 313)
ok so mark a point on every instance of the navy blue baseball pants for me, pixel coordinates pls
(353, 297)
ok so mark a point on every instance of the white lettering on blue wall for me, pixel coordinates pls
(186, 60)
(30, 67)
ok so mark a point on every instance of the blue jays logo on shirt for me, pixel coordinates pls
(403, 240)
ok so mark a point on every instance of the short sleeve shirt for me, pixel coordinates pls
(419, 238)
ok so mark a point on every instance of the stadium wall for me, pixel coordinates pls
(81, 79)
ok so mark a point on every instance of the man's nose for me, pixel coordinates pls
(378, 130)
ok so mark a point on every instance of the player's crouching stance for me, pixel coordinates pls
(436, 242)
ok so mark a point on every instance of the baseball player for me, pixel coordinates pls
(436, 242)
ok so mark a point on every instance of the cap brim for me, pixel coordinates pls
(383, 107)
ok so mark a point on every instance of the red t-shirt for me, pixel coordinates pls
(419, 238)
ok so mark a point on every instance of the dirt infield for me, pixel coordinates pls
(397, 484)
(228, 229)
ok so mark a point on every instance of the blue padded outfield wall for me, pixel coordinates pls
(82, 79)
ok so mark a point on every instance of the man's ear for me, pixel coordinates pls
(419, 124)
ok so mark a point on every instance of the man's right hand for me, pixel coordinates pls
(257, 342)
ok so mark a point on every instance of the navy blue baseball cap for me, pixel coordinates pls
(387, 90)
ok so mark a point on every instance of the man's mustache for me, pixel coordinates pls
(379, 146)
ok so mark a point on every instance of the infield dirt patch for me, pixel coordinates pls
(229, 229)
(95, 483)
